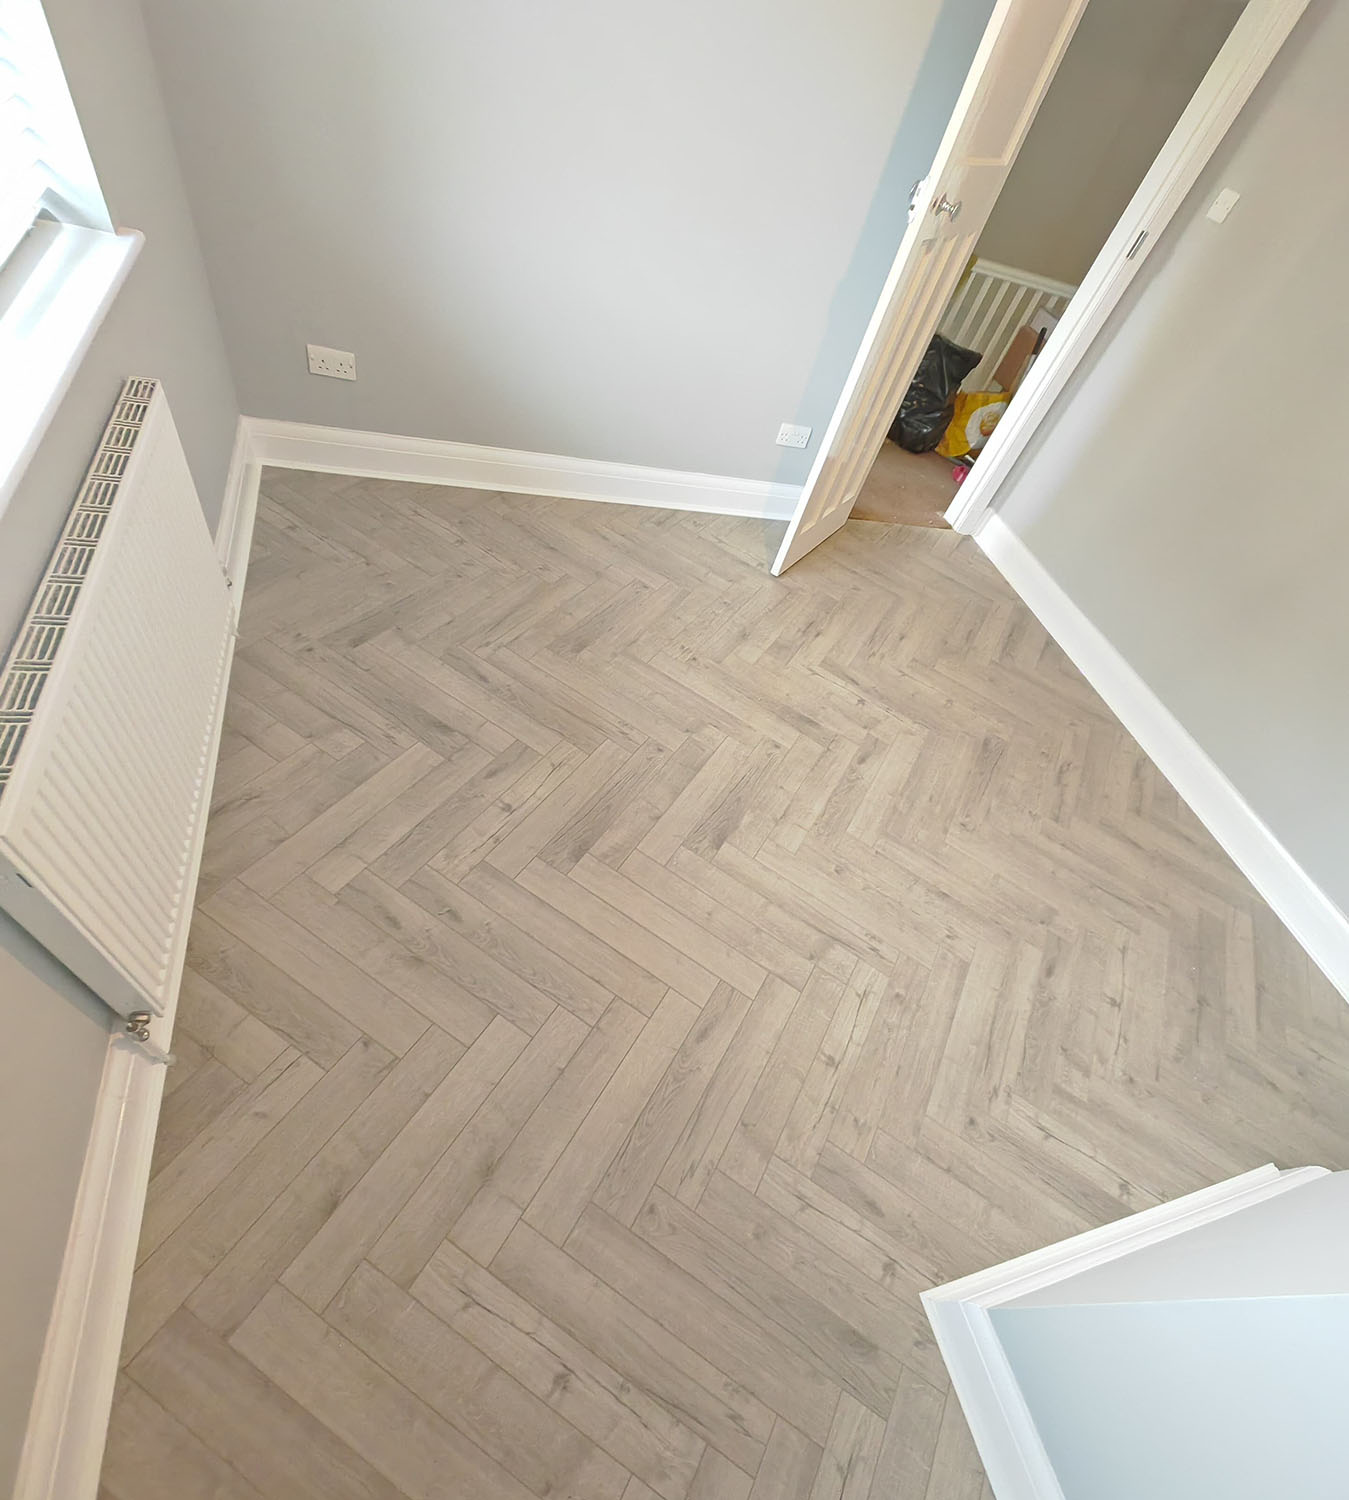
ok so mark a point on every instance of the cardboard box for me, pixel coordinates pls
(1012, 367)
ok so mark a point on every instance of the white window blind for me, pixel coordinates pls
(44, 163)
(23, 179)
(61, 262)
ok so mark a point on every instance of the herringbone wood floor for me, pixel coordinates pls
(623, 980)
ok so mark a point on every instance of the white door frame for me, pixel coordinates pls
(1254, 41)
(1008, 77)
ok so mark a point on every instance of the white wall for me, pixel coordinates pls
(631, 233)
(1188, 492)
(1196, 1400)
(1210, 1363)
(163, 324)
(1128, 73)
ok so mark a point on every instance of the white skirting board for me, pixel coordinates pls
(999, 1419)
(238, 510)
(1309, 914)
(68, 1420)
(380, 455)
(67, 1424)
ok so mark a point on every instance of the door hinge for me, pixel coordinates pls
(1137, 245)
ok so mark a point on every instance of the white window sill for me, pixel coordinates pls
(54, 292)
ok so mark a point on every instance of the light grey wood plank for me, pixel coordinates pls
(670, 1106)
(577, 946)
(387, 959)
(709, 1314)
(355, 1398)
(519, 1172)
(638, 1345)
(789, 1466)
(351, 1231)
(618, 930)
(256, 921)
(850, 1453)
(238, 1280)
(274, 1442)
(904, 1463)
(469, 1164)
(563, 1194)
(277, 998)
(175, 1267)
(642, 1433)
(718, 960)
(490, 1408)
(182, 1468)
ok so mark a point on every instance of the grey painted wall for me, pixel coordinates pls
(1242, 1400)
(1186, 491)
(163, 324)
(49, 1072)
(637, 234)
(1128, 73)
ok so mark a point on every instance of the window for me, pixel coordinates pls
(45, 170)
(21, 173)
(60, 260)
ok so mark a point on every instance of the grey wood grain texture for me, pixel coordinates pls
(622, 981)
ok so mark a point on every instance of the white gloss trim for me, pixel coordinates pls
(55, 291)
(999, 1419)
(382, 455)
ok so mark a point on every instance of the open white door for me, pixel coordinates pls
(1251, 46)
(1016, 61)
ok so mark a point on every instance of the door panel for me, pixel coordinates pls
(1016, 60)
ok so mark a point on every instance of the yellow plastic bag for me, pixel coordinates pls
(977, 414)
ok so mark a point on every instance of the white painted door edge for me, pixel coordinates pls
(380, 455)
(1252, 45)
(68, 1419)
(1301, 905)
(1000, 1421)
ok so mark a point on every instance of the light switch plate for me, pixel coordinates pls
(1223, 205)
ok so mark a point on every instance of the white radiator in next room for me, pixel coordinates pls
(991, 305)
(109, 715)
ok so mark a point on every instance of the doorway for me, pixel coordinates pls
(1011, 75)
(1125, 79)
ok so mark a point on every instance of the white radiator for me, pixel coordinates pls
(991, 305)
(109, 717)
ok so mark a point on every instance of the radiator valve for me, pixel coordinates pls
(138, 1029)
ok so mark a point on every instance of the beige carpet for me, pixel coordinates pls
(911, 489)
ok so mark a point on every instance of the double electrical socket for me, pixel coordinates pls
(793, 437)
(339, 363)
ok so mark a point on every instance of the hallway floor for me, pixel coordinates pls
(906, 489)
(622, 981)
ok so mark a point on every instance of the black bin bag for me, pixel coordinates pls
(930, 402)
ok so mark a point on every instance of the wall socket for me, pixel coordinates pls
(793, 437)
(339, 363)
